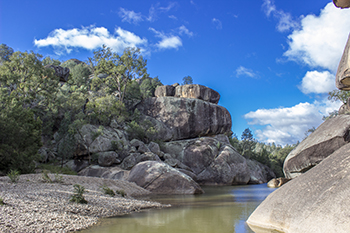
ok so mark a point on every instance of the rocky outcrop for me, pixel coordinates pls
(115, 173)
(327, 138)
(61, 72)
(160, 178)
(342, 3)
(195, 91)
(135, 158)
(188, 118)
(214, 161)
(316, 201)
(342, 79)
(277, 182)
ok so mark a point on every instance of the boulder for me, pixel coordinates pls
(188, 118)
(316, 201)
(108, 158)
(259, 173)
(327, 138)
(342, 3)
(77, 165)
(195, 91)
(160, 178)
(61, 72)
(165, 90)
(135, 158)
(139, 145)
(154, 148)
(277, 182)
(104, 172)
(342, 78)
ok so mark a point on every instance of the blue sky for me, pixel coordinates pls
(273, 62)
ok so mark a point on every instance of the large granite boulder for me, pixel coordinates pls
(107, 158)
(61, 72)
(316, 201)
(342, 79)
(327, 138)
(135, 158)
(342, 3)
(195, 91)
(105, 172)
(160, 178)
(188, 118)
(165, 90)
(214, 161)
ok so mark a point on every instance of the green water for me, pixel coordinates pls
(220, 209)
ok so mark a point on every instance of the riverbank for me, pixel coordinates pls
(33, 205)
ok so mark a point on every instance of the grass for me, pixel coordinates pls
(121, 192)
(14, 176)
(108, 191)
(78, 197)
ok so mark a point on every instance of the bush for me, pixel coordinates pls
(121, 192)
(45, 176)
(14, 176)
(78, 197)
(2, 201)
(108, 191)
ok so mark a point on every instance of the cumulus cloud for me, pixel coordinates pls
(285, 20)
(217, 23)
(288, 125)
(90, 38)
(130, 16)
(317, 82)
(242, 71)
(321, 39)
(183, 30)
(167, 41)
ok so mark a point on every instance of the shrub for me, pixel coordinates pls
(45, 176)
(78, 197)
(14, 176)
(121, 192)
(108, 191)
(2, 201)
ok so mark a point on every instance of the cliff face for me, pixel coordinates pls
(195, 147)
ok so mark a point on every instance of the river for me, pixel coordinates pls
(220, 210)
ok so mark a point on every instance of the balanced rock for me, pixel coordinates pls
(327, 138)
(316, 201)
(195, 91)
(160, 178)
(188, 118)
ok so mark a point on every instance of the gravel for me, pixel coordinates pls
(33, 205)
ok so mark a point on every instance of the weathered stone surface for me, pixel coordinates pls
(277, 182)
(327, 138)
(101, 143)
(164, 91)
(77, 165)
(135, 158)
(160, 178)
(139, 145)
(342, 78)
(316, 201)
(216, 162)
(188, 118)
(108, 158)
(154, 148)
(61, 72)
(104, 172)
(342, 3)
(195, 91)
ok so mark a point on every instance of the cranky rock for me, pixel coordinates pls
(316, 201)
(342, 3)
(342, 79)
(196, 91)
(327, 138)
(188, 118)
(61, 72)
(160, 178)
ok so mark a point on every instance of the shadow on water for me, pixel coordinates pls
(221, 209)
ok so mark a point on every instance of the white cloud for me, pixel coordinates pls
(317, 82)
(217, 23)
(285, 20)
(90, 38)
(321, 39)
(288, 125)
(167, 41)
(154, 10)
(184, 30)
(130, 16)
(242, 71)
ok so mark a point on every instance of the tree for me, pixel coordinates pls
(5, 53)
(187, 80)
(339, 95)
(247, 135)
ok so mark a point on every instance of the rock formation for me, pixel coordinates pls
(343, 73)
(342, 3)
(316, 201)
(327, 138)
(61, 72)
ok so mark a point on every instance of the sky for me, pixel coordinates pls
(273, 62)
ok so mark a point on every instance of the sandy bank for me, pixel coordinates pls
(32, 205)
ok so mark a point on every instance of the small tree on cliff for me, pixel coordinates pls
(187, 80)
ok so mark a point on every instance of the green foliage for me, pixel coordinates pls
(335, 95)
(13, 175)
(187, 80)
(121, 192)
(78, 196)
(2, 201)
(50, 61)
(148, 87)
(5, 53)
(108, 191)
(45, 176)
(143, 131)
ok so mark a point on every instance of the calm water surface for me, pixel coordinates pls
(219, 210)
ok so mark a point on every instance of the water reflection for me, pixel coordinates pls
(220, 209)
